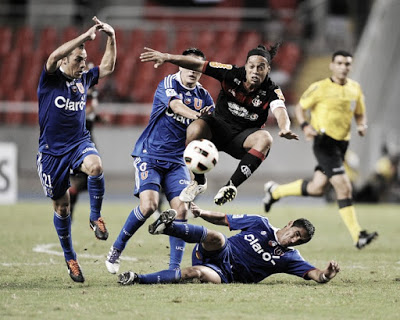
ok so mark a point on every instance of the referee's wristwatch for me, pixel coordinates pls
(304, 124)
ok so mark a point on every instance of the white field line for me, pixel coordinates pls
(48, 249)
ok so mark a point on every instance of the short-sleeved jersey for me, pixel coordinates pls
(237, 106)
(257, 253)
(62, 107)
(333, 106)
(165, 135)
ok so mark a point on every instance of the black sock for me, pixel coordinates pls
(246, 167)
(200, 178)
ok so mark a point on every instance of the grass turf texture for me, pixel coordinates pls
(36, 285)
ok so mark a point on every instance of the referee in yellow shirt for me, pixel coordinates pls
(332, 102)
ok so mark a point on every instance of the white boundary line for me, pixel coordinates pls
(47, 248)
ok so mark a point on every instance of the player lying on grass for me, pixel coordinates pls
(250, 256)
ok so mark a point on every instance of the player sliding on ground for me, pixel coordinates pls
(241, 111)
(250, 256)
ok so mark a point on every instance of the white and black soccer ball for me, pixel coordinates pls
(201, 156)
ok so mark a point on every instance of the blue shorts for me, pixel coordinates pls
(152, 174)
(54, 171)
(220, 261)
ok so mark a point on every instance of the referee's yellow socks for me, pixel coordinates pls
(289, 189)
(348, 214)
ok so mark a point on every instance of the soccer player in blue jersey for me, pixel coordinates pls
(158, 155)
(247, 94)
(258, 251)
(64, 142)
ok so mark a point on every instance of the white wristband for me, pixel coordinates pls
(324, 278)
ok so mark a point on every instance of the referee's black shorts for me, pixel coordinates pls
(228, 137)
(330, 154)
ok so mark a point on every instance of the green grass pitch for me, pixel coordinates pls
(34, 283)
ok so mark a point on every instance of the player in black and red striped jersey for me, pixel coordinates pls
(236, 127)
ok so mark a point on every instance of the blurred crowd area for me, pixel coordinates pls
(224, 30)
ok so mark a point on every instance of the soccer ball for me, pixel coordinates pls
(201, 156)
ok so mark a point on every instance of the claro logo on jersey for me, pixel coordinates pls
(65, 103)
(256, 246)
(178, 117)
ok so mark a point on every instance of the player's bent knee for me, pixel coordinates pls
(95, 169)
(62, 210)
(266, 138)
(148, 208)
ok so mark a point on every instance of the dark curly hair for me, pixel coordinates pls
(261, 50)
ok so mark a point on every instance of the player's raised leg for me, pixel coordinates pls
(92, 166)
(258, 143)
(197, 130)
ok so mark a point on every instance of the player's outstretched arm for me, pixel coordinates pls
(54, 60)
(180, 108)
(107, 64)
(284, 124)
(323, 276)
(188, 62)
(210, 216)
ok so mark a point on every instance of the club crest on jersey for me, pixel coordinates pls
(144, 175)
(256, 101)
(80, 87)
(272, 243)
(278, 251)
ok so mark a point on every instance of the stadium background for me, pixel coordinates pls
(225, 31)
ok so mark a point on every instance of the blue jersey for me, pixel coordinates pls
(165, 135)
(257, 254)
(62, 106)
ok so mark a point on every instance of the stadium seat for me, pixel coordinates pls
(158, 40)
(282, 4)
(69, 33)
(121, 41)
(48, 40)
(206, 42)
(9, 70)
(184, 38)
(135, 42)
(5, 40)
(288, 57)
(24, 40)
